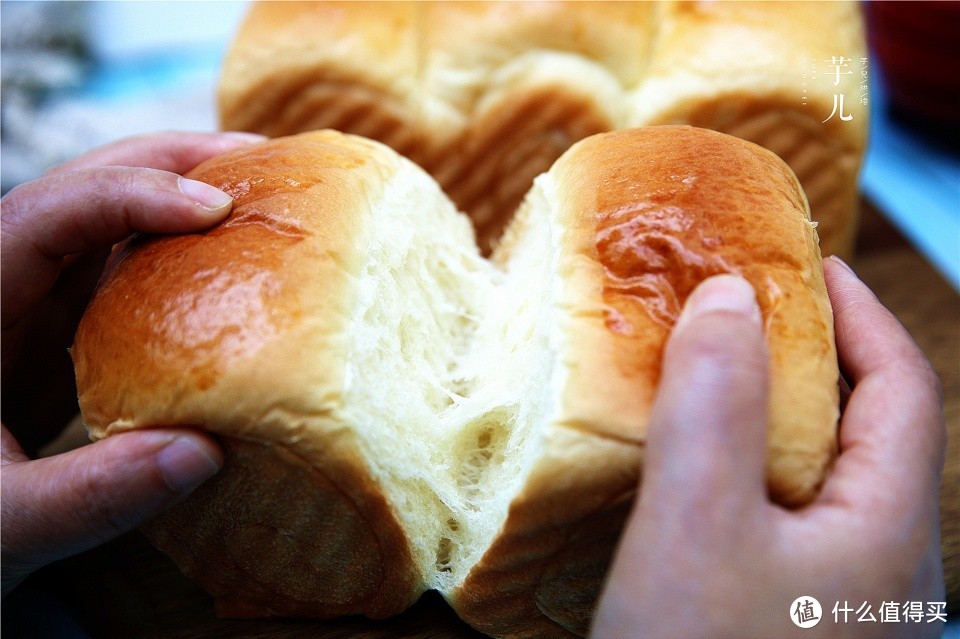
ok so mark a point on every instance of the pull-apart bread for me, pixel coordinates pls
(400, 413)
(486, 95)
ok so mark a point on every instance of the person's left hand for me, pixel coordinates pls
(55, 232)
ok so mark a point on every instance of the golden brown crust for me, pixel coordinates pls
(241, 330)
(650, 213)
(643, 216)
(510, 143)
(485, 95)
(277, 533)
(761, 72)
(207, 314)
(274, 69)
(544, 570)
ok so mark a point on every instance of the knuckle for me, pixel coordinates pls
(99, 513)
(18, 204)
(136, 191)
(932, 380)
(724, 344)
(916, 369)
(708, 515)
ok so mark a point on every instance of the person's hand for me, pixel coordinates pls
(706, 554)
(58, 506)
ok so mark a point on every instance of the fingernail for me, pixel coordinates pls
(185, 465)
(840, 262)
(726, 293)
(244, 136)
(205, 196)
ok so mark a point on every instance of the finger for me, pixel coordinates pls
(707, 435)
(10, 450)
(860, 317)
(844, 392)
(892, 434)
(38, 381)
(174, 151)
(52, 217)
(703, 469)
(58, 506)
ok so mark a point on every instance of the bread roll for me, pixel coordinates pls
(401, 414)
(486, 95)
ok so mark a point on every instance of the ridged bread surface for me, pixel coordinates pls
(400, 413)
(486, 95)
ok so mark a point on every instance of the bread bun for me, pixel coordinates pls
(400, 413)
(486, 95)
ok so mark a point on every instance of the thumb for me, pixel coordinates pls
(703, 467)
(62, 505)
(707, 434)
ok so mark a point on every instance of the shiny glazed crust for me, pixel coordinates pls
(645, 215)
(486, 95)
(244, 331)
(691, 203)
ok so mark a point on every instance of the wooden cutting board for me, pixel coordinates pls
(127, 589)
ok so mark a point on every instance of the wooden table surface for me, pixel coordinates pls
(127, 589)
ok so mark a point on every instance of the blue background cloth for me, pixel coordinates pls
(915, 183)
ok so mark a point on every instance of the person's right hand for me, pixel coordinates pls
(706, 554)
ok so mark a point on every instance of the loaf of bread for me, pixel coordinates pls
(486, 95)
(400, 413)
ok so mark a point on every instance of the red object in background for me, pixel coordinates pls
(918, 46)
